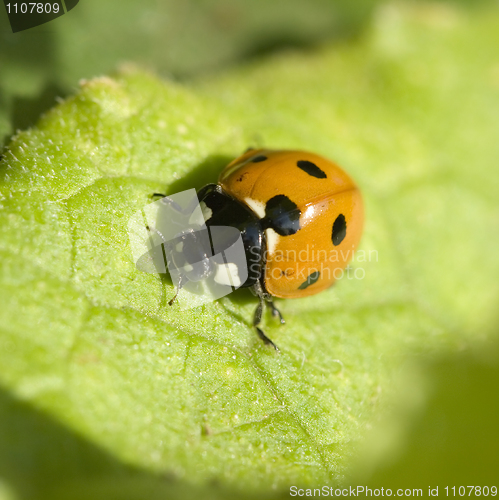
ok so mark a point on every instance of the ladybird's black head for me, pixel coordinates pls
(189, 253)
(222, 211)
(225, 250)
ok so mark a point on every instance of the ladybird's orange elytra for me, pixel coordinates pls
(316, 216)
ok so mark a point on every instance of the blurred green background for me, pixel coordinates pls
(176, 39)
(440, 424)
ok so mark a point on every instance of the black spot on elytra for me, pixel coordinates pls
(312, 278)
(339, 230)
(311, 169)
(282, 215)
(258, 159)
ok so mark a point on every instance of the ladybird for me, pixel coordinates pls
(300, 217)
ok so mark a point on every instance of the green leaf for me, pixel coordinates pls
(91, 353)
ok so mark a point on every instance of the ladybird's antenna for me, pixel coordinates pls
(181, 282)
(169, 202)
(171, 301)
(154, 230)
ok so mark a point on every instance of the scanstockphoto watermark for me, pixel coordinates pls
(210, 262)
(308, 261)
(355, 491)
(366, 491)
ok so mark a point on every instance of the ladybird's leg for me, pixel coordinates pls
(181, 282)
(256, 321)
(258, 316)
(275, 312)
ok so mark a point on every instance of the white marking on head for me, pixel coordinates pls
(206, 210)
(272, 240)
(228, 274)
(257, 206)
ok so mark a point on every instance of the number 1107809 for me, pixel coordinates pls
(468, 491)
(32, 8)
